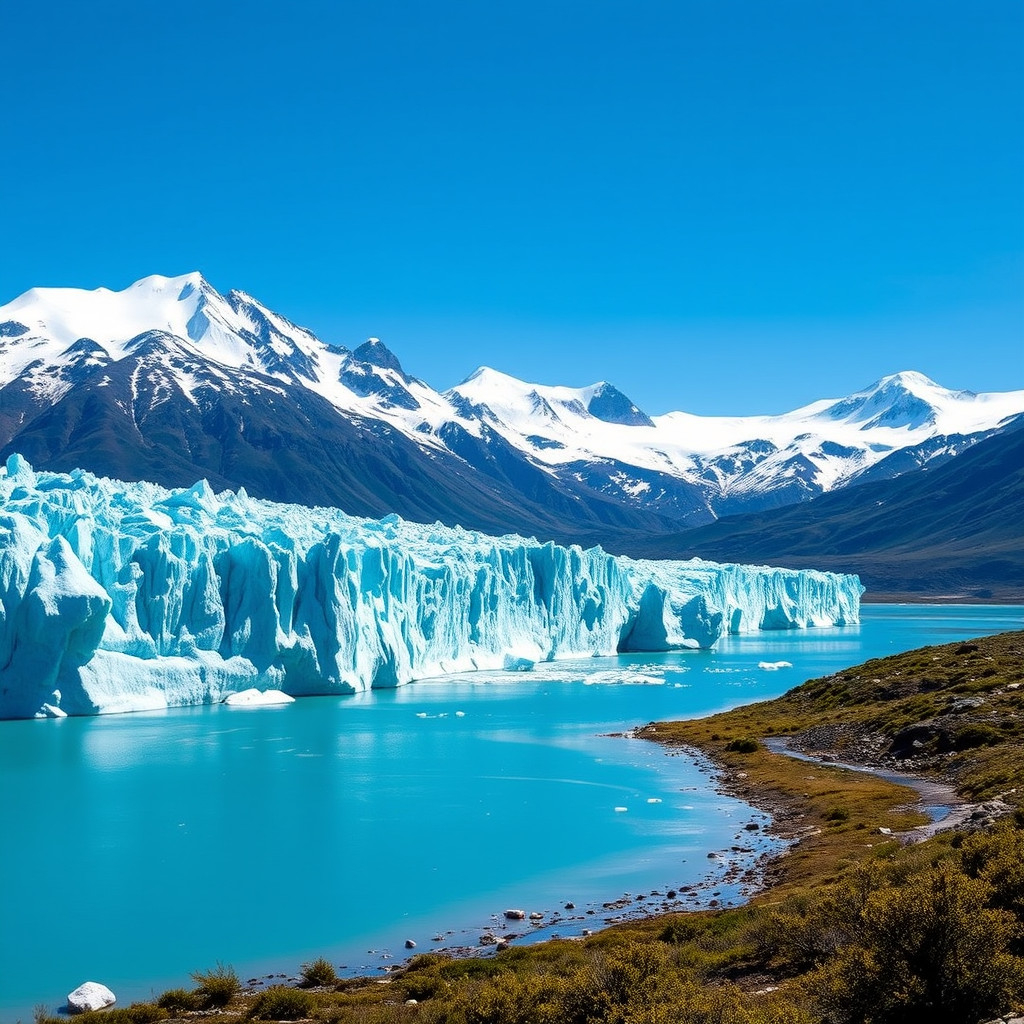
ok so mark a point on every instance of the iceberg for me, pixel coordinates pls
(128, 596)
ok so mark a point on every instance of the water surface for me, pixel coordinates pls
(138, 848)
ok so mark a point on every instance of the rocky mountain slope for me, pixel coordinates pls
(171, 381)
(952, 531)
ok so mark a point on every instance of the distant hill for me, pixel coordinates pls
(955, 531)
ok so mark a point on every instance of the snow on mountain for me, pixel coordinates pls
(815, 448)
(121, 597)
(588, 452)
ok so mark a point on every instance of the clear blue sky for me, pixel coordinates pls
(720, 206)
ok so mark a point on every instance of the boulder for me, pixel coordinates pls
(90, 996)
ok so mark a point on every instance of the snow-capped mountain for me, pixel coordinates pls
(171, 381)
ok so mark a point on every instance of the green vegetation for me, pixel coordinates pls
(318, 974)
(279, 1002)
(178, 1000)
(855, 927)
(216, 988)
(745, 745)
(136, 1013)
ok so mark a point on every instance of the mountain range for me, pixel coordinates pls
(171, 381)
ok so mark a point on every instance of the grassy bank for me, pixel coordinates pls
(856, 925)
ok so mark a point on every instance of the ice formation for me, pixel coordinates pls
(127, 596)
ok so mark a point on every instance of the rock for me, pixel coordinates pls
(515, 915)
(536, 916)
(570, 905)
(966, 704)
(411, 1002)
(90, 996)
(503, 945)
(752, 826)
(409, 944)
(487, 939)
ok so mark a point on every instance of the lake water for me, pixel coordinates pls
(138, 848)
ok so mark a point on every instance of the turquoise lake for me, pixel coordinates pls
(138, 848)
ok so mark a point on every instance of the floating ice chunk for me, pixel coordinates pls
(774, 666)
(460, 714)
(50, 711)
(253, 698)
(621, 810)
(515, 663)
(654, 799)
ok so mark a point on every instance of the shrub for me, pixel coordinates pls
(681, 929)
(176, 1000)
(837, 814)
(279, 1002)
(136, 1013)
(216, 988)
(976, 736)
(320, 973)
(926, 950)
(745, 745)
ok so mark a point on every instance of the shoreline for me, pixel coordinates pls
(737, 873)
(1004, 599)
(781, 758)
(753, 872)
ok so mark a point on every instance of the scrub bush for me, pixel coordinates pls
(744, 746)
(279, 1002)
(216, 988)
(320, 973)
(176, 1000)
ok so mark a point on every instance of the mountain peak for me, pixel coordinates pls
(376, 353)
(907, 380)
(907, 400)
(608, 403)
(193, 280)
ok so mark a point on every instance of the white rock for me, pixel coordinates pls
(90, 996)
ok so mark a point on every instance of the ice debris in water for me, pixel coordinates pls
(128, 596)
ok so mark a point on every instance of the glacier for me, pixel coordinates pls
(128, 596)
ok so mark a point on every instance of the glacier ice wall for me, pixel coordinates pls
(120, 597)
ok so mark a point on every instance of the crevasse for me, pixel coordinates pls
(128, 596)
